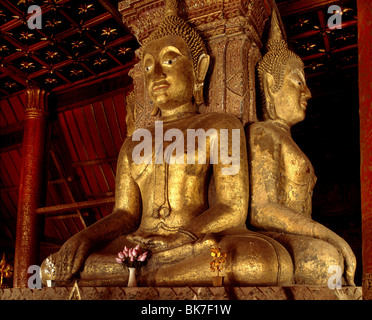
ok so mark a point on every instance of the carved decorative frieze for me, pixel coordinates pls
(210, 17)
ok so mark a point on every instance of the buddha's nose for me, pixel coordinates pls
(307, 93)
(158, 71)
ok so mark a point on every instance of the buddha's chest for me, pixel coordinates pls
(295, 166)
(168, 162)
(171, 152)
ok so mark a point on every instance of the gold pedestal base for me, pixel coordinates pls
(186, 293)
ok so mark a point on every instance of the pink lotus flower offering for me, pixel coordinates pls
(132, 257)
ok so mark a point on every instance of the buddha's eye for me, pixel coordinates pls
(148, 68)
(170, 61)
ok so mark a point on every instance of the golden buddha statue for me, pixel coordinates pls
(281, 176)
(163, 205)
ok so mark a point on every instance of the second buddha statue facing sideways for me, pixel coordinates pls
(281, 176)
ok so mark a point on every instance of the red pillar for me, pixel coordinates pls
(27, 244)
(365, 112)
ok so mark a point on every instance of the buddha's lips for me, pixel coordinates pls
(161, 86)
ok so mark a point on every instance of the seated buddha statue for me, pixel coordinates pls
(281, 176)
(164, 206)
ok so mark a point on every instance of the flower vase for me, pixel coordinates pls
(217, 281)
(50, 283)
(132, 282)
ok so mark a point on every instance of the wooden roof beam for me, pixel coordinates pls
(71, 207)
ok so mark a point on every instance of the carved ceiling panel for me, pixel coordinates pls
(78, 41)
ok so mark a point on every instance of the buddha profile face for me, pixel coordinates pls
(289, 103)
(169, 73)
(282, 80)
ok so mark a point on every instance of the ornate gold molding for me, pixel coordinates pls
(36, 103)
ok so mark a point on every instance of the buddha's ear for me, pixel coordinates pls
(270, 112)
(155, 111)
(268, 86)
(201, 72)
(202, 67)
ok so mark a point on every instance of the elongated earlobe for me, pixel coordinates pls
(268, 84)
(155, 111)
(201, 72)
(202, 68)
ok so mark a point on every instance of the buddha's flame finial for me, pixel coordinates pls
(276, 35)
(171, 7)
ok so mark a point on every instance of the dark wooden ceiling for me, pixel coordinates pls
(327, 53)
(79, 41)
(83, 54)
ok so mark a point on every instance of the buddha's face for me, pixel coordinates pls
(291, 100)
(169, 73)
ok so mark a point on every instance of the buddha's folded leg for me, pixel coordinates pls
(312, 258)
(252, 259)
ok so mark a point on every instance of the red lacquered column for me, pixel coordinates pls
(365, 111)
(27, 243)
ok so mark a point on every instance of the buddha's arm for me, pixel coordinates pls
(267, 213)
(123, 219)
(232, 194)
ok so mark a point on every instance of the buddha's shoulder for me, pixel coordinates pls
(263, 126)
(126, 148)
(263, 130)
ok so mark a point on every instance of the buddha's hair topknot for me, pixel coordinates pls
(174, 25)
(277, 56)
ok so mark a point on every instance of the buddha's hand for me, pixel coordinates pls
(178, 239)
(164, 242)
(350, 261)
(71, 257)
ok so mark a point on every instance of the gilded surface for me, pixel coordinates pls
(179, 210)
(165, 206)
(281, 176)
